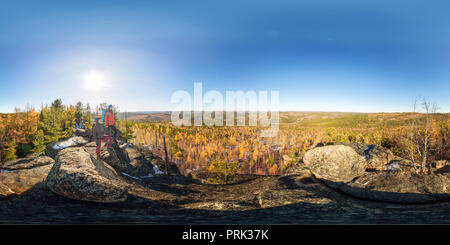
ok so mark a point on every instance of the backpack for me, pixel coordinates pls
(109, 118)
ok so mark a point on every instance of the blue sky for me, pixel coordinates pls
(367, 56)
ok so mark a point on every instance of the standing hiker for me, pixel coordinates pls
(98, 133)
(109, 121)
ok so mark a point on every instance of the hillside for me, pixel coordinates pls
(311, 119)
(194, 147)
(145, 116)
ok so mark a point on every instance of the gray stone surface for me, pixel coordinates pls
(78, 175)
(335, 163)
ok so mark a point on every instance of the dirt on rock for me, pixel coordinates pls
(297, 197)
(292, 199)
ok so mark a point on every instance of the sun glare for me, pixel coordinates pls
(94, 81)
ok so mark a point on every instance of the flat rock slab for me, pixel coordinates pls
(335, 163)
(78, 175)
(26, 163)
(19, 181)
(265, 200)
(21, 174)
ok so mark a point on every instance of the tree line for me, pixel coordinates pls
(30, 131)
(199, 147)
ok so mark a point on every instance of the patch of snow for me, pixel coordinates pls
(133, 177)
(68, 143)
(394, 166)
(157, 171)
(79, 125)
(4, 171)
(147, 176)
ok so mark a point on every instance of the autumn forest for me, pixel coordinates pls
(192, 148)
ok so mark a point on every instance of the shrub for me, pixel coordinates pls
(224, 171)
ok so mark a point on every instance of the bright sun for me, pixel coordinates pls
(94, 80)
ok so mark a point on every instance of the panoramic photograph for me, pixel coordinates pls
(224, 113)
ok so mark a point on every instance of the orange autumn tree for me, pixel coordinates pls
(272, 156)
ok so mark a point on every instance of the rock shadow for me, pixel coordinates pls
(369, 194)
(39, 205)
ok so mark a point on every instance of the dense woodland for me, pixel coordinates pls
(198, 147)
(27, 131)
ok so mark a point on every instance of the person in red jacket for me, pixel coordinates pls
(98, 134)
(108, 119)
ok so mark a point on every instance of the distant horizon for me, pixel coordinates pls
(281, 111)
(168, 110)
(161, 111)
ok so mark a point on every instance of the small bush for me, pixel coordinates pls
(224, 171)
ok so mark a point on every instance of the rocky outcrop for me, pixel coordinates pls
(142, 165)
(401, 165)
(85, 133)
(114, 156)
(31, 161)
(125, 158)
(17, 176)
(161, 164)
(54, 148)
(335, 163)
(5, 191)
(399, 187)
(132, 153)
(378, 157)
(76, 174)
(383, 177)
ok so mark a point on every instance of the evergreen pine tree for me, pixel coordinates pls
(39, 141)
(79, 113)
(87, 117)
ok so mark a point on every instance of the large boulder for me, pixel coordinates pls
(114, 156)
(142, 165)
(337, 163)
(125, 158)
(54, 148)
(17, 176)
(131, 152)
(378, 157)
(76, 174)
(399, 187)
